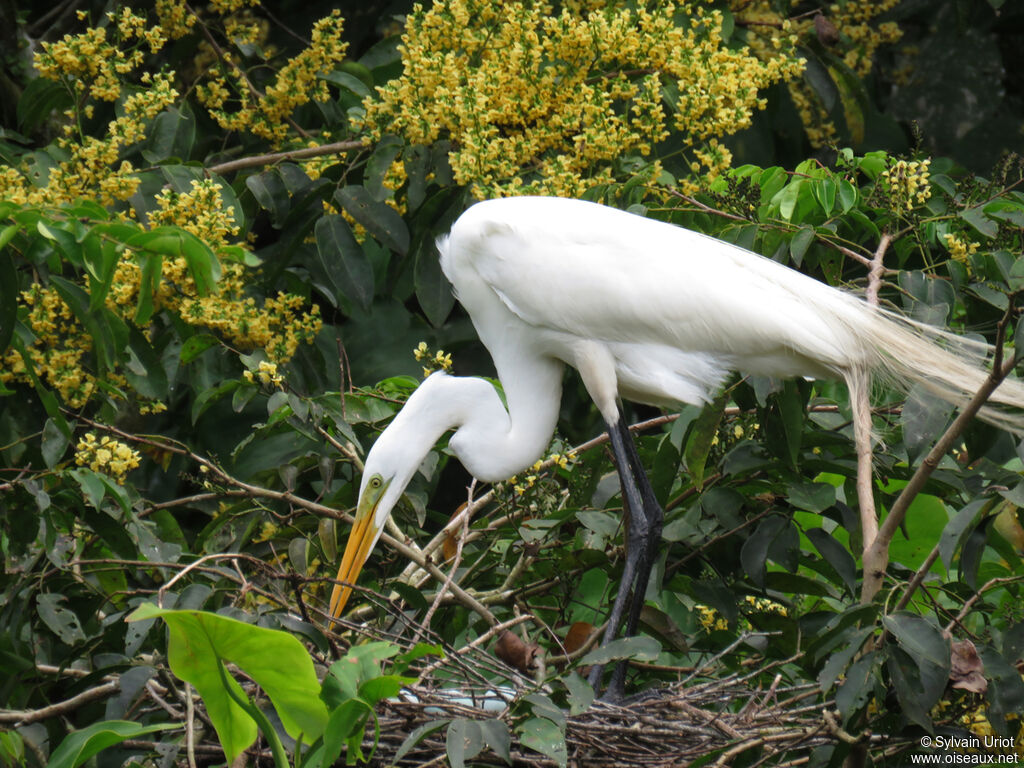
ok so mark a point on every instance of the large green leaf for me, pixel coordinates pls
(919, 637)
(81, 745)
(344, 261)
(200, 643)
(380, 219)
(542, 735)
(177, 243)
(433, 291)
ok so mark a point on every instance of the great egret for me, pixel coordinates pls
(646, 311)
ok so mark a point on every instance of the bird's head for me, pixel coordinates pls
(389, 466)
(386, 474)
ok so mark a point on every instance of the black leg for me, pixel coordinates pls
(643, 535)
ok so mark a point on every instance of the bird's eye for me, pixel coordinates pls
(375, 482)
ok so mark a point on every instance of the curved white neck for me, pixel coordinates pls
(492, 442)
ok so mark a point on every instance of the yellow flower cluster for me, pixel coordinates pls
(960, 250)
(175, 17)
(535, 102)
(88, 62)
(106, 455)
(59, 354)
(906, 182)
(439, 360)
(297, 83)
(266, 373)
(200, 211)
(561, 460)
(709, 618)
(856, 40)
(278, 326)
(765, 605)
(93, 67)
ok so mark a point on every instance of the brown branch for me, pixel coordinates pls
(22, 717)
(272, 158)
(861, 396)
(456, 561)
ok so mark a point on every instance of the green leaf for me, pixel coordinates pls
(271, 193)
(848, 195)
(417, 736)
(754, 552)
(344, 722)
(814, 497)
(639, 647)
(836, 662)
(800, 243)
(347, 81)
(344, 261)
(825, 194)
(98, 324)
(177, 243)
(702, 433)
(1005, 693)
(416, 159)
(151, 266)
(144, 369)
(906, 680)
(433, 291)
(787, 199)
(919, 638)
(8, 289)
(40, 99)
(972, 550)
(542, 735)
(976, 218)
(581, 694)
(78, 747)
(852, 695)
(379, 164)
(209, 396)
(923, 419)
(199, 643)
(496, 734)
(194, 346)
(380, 219)
(836, 555)
(62, 621)
(463, 741)
(171, 134)
(787, 411)
(957, 529)
(54, 443)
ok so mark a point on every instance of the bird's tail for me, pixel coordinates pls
(948, 366)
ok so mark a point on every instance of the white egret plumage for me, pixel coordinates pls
(645, 311)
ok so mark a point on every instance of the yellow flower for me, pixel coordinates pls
(111, 457)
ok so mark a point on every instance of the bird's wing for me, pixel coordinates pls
(598, 273)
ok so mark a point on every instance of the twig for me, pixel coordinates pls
(272, 158)
(994, 582)
(861, 396)
(190, 726)
(22, 717)
(917, 579)
(456, 561)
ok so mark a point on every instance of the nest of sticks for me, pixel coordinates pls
(730, 716)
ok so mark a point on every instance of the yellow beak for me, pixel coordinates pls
(360, 540)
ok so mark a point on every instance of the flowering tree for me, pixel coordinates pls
(218, 283)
